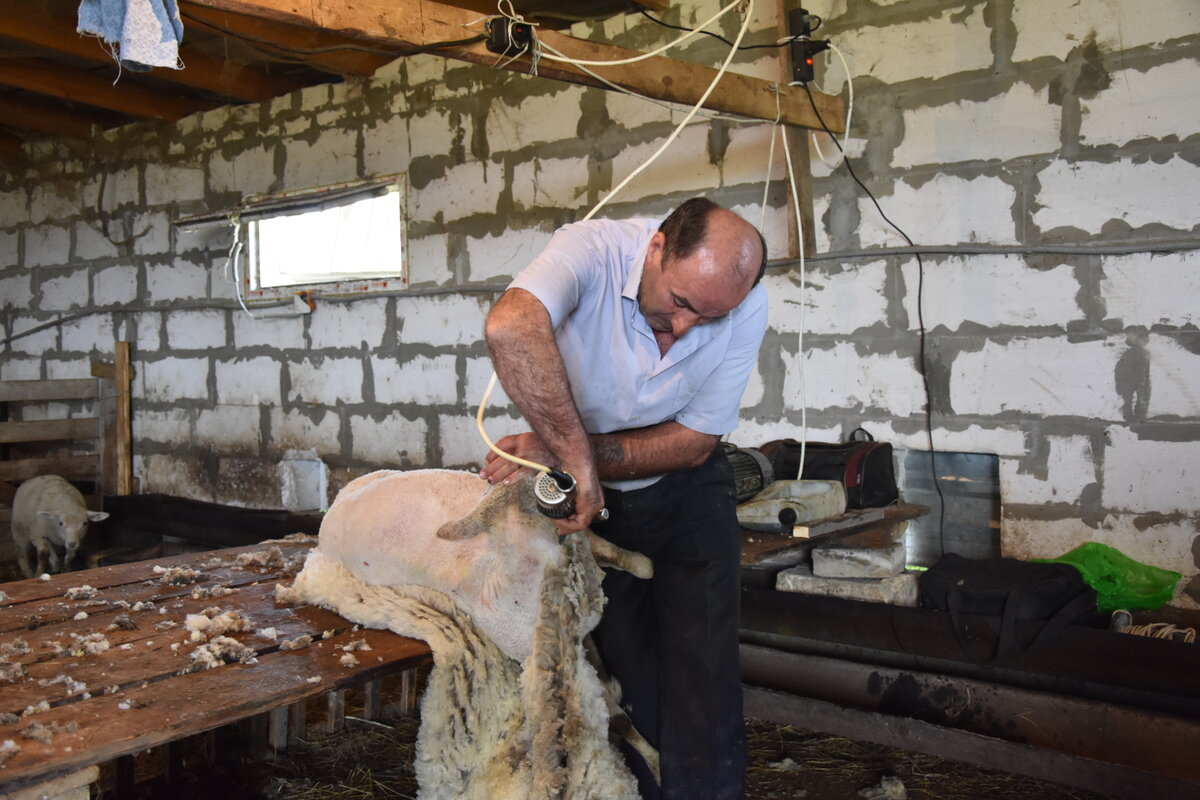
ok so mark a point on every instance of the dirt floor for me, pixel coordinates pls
(371, 760)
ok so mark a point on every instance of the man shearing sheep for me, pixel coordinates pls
(627, 345)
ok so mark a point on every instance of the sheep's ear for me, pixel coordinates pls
(482, 517)
(97, 516)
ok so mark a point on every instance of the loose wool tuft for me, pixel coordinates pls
(513, 709)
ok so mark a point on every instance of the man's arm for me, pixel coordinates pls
(525, 355)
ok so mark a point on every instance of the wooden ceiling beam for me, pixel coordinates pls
(10, 145)
(54, 121)
(323, 50)
(50, 27)
(77, 86)
(421, 24)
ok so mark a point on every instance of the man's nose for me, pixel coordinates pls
(682, 322)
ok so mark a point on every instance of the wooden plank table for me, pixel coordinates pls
(144, 689)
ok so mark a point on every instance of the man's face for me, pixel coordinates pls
(674, 297)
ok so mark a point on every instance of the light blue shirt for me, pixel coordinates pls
(588, 278)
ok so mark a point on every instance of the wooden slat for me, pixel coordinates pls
(123, 434)
(64, 389)
(422, 23)
(77, 86)
(52, 26)
(797, 142)
(84, 467)
(72, 124)
(49, 430)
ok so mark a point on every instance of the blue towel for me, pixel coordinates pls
(140, 34)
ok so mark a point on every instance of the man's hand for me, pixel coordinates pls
(523, 445)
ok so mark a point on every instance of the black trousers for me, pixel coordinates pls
(672, 641)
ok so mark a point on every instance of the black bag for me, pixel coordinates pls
(1005, 590)
(862, 465)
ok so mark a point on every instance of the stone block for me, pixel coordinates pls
(248, 381)
(1056, 27)
(536, 119)
(1174, 366)
(429, 261)
(1155, 104)
(461, 445)
(836, 299)
(251, 171)
(20, 369)
(115, 286)
(550, 183)
(423, 380)
(169, 426)
(442, 321)
(47, 245)
(90, 334)
(430, 132)
(1043, 377)
(64, 292)
(275, 332)
(1148, 475)
(497, 259)
(684, 167)
(354, 324)
(319, 429)
(152, 234)
(54, 201)
(167, 183)
(229, 429)
(897, 590)
(391, 442)
(181, 280)
(14, 205)
(992, 291)
(842, 379)
(1069, 467)
(1148, 290)
(946, 209)
(196, 330)
(745, 159)
(1020, 122)
(843, 559)
(632, 112)
(16, 289)
(1087, 195)
(465, 190)
(169, 380)
(385, 147)
(332, 158)
(479, 372)
(9, 248)
(91, 243)
(326, 381)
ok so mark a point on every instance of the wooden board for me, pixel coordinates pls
(140, 692)
(31, 391)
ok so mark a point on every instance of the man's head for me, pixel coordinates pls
(701, 264)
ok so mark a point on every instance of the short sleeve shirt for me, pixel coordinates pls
(588, 278)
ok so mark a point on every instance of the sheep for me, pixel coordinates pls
(49, 512)
(512, 708)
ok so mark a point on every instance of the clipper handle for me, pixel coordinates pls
(555, 494)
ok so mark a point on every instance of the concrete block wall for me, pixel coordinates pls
(987, 122)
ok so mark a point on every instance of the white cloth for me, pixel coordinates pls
(139, 33)
(588, 278)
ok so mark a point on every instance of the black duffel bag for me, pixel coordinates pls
(862, 465)
(1003, 591)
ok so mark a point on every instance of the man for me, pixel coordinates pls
(627, 346)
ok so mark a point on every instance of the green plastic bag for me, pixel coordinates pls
(1119, 581)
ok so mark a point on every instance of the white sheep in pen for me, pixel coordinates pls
(513, 708)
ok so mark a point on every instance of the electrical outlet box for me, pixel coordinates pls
(507, 37)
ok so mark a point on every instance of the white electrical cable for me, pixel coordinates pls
(800, 336)
(849, 114)
(653, 157)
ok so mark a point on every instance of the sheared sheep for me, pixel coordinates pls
(47, 513)
(513, 708)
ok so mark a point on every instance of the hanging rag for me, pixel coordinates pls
(140, 34)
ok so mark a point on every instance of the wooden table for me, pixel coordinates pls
(139, 693)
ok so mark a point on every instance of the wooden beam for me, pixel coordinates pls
(797, 142)
(318, 49)
(52, 27)
(127, 97)
(54, 121)
(62, 389)
(418, 24)
(49, 430)
(10, 145)
(83, 467)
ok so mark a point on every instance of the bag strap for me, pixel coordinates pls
(1006, 639)
(1071, 610)
(863, 431)
(954, 606)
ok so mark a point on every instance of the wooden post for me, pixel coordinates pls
(335, 711)
(124, 412)
(371, 700)
(277, 729)
(797, 142)
(296, 722)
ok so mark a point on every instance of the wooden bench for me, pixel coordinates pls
(139, 693)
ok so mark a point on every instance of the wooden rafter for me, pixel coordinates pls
(46, 78)
(422, 24)
(50, 27)
(55, 121)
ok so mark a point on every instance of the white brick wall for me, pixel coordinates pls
(550, 183)
(88, 334)
(751, 433)
(497, 259)
(16, 290)
(351, 324)
(541, 118)
(63, 293)
(179, 476)
(999, 439)
(180, 280)
(248, 381)
(35, 343)
(931, 48)
(633, 112)
(52, 201)
(944, 210)
(1152, 290)
(1042, 377)
(173, 184)
(385, 147)
(424, 380)
(9, 243)
(1069, 469)
(196, 330)
(328, 382)
(91, 243)
(841, 379)
(1020, 122)
(1174, 379)
(442, 320)
(173, 379)
(228, 429)
(747, 155)
(479, 372)
(47, 245)
(471, 188)
(249, 172)
(391, 442)
(152, 234)
(1086, 195)
(170, 426)
(1148, 476)
(461, 444)
(835, 300)
(429, 133)
(14, 206)
(428, 261)
(992, 291)
(330, 159)
(1157, 103)
(291, 430)
(1055, 27)
(683, 167)
(115, 285)
(282, 332)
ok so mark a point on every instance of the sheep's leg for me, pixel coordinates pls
(608, 554)
(45, 555)
(619, 722)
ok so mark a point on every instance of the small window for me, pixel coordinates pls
(348, 237)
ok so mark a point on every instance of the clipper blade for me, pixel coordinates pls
(552, 501)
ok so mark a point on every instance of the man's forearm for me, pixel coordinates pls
(650, 451)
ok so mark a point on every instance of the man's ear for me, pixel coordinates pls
(657, 243)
